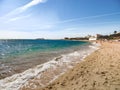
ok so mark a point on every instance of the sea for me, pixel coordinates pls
(19, 57)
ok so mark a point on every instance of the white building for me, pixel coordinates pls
(92, 38)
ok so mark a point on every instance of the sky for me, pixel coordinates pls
(56, 19)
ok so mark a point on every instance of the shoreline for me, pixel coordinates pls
(19, 62)
(37, 74)
(65, 63)
(99, 71)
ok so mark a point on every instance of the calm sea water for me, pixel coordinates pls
(18, 47)
(19, 55)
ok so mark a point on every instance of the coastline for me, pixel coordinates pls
(42, 75)
(22, 55)
(64, 63)
(99, 71)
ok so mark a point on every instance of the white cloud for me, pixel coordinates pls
(18, 12)
(17, 18)
(32, 3)
(25, 7)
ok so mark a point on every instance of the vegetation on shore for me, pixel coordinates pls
(111, 36)
(115, 35)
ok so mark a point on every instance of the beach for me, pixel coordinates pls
(16, 56)
(57, 68)
(63, 56)
(60, 45)
(98, 71)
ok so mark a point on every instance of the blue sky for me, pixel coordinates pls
(55, 19)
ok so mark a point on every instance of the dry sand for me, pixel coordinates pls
(99, 71)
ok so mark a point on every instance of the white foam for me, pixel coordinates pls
(16, 81)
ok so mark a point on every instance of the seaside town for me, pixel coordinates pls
(114, 36)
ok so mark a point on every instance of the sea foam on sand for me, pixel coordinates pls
(43, 74)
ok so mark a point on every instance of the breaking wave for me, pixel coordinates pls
(43, 74)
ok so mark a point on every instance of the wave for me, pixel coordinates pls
(43, 74)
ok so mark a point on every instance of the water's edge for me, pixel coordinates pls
(16, 56)
(29, 77)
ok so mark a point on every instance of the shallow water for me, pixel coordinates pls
(19, 55)
(43, 74)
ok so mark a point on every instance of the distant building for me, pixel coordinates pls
(92, 38)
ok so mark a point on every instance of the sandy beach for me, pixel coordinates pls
(99, 71)
(42, 75)
(60, 45)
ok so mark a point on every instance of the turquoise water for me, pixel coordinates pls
(18, 47)
(19, 55)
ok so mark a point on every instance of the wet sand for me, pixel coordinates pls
(43, 74)
(99, 71)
